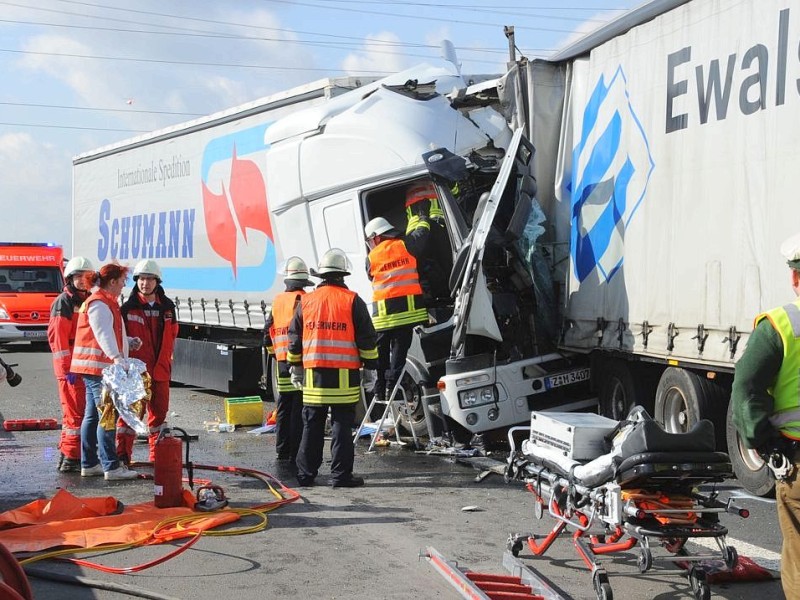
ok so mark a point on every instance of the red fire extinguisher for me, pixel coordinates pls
(168, 470)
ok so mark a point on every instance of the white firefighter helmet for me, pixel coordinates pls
(77, 264)
(296, 270)
(377, 226)
(333, 262)
(147, 267)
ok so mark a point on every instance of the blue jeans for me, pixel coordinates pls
(91, 432)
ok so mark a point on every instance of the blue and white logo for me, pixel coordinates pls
(611, 167)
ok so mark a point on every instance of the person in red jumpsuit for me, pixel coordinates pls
(61, 337)
(150, 316)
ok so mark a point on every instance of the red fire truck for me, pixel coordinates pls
(30, 279)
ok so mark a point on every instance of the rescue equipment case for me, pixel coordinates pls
(580, 436)
(248, 410)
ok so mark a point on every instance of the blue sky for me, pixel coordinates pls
(78, 74)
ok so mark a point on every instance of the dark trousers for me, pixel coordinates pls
(393, 345)
(289, 424)
(309, 457)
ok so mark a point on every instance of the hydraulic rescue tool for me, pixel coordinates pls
(12, 377)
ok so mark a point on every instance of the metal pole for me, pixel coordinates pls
(508, 30)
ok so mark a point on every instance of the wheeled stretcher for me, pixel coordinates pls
(639, 495)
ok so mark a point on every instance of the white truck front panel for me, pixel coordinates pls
(678, 168)
(197, 201)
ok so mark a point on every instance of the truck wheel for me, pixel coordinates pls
(751, 471)
(620, 389)
(683, 398)
(415, 420)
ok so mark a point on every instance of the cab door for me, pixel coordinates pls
(473, 312)
(336, 223)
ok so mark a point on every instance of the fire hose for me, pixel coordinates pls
(171, 528)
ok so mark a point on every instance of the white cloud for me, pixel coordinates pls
(596, 21)
(36, 202)
(378, 54)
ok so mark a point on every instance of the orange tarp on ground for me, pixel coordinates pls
(33, 528)
(62, 507)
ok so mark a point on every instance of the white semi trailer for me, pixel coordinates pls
(612, 217)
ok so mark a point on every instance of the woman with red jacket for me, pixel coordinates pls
(150, 316)
(61, 336)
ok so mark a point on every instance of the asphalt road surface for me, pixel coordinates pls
(343, 543)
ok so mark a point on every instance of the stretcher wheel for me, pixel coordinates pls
(645, 560)
(602, 588)
(731, 557)
(516, 547)
(538, 509)
(700, 588)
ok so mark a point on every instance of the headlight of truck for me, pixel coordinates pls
(476, 397)
(3, 314)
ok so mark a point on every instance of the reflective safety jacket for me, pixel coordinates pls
(277, 334)
(396, 290)
(62, 326)
(157, 327)
(419, 193)
(88, 357)
(786, 389)
(332, 336)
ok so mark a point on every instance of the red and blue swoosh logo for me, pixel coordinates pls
(236, 211)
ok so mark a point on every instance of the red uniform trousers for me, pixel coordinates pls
(73, 404)
(156, 415)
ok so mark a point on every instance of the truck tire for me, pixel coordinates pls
(412, 386)
(622, 387)
(751, 471)
(683, 398)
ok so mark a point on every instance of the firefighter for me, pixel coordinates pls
(290, 400)
(422, 203)
(330, 338)
(150, 316)
(397, 305)
(61, 336)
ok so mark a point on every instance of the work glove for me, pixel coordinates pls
(776, 444)
(296, 372)
(71, 378)
(369, 378)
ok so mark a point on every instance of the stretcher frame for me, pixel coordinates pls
(604, 523)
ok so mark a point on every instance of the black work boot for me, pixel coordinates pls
(69, 465)
(350, 482)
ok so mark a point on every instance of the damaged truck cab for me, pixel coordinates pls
(486, 358)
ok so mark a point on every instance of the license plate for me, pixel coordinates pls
(34, 334)
(568, 378)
